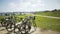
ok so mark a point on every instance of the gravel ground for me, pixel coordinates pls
(33, 31)
(43, 31)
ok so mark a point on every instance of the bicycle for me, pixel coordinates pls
(26, 25)
(4, 22)
(23, 28)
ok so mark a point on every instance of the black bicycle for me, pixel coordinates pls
(22, 27)
(4, 22)
(12, 26)
(25, 26)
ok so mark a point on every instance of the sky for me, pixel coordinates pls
(28, 5)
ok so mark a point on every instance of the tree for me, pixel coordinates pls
(54, 10)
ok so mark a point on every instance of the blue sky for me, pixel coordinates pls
(28, 5)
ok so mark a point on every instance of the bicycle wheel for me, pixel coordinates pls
(25, 28)
(4, 24)
(10, 27)
(17, 29)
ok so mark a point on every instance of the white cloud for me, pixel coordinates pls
(27, 5)
(12, 5)
(31, 5)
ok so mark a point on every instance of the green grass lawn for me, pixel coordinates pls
(48, 23)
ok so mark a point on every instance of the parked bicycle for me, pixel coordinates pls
(23, 27)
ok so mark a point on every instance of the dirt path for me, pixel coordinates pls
(33, 31)
(42, 31)
(3, 30)
(47, 16)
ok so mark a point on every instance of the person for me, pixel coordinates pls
(34, 23)
(33, 17)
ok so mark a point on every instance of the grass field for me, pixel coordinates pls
(50, 13)
(48, 23)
